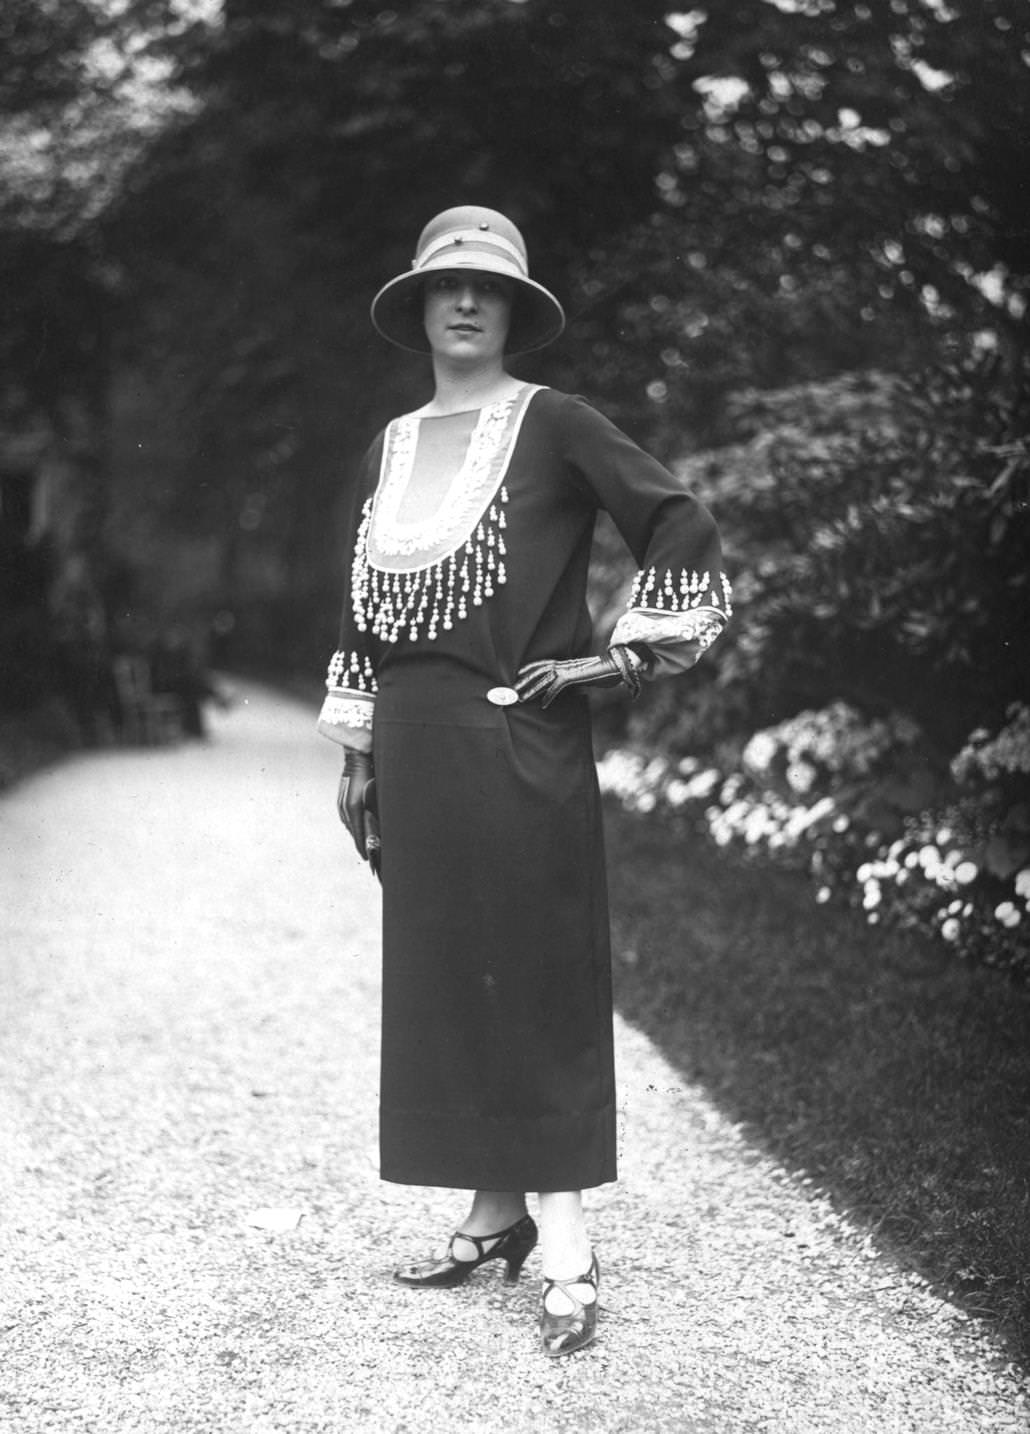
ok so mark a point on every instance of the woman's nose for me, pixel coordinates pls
(467, 297)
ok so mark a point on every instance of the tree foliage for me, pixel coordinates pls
(877, 532)
(844, 177)
(745, 197)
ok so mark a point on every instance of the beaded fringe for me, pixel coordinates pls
(693, 589)
(348, 672)
(426, 601)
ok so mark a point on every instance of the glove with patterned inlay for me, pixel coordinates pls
(552, 676)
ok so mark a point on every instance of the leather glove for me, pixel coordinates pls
(355, 779)
(549, 678)
(373, 842)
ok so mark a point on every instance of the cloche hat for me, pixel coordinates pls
(469, 237)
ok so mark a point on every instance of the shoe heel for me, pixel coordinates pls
(514, 1268)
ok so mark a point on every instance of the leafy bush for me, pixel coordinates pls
(876, 532)
(887, 564)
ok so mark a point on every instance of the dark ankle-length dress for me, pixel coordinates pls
(469, 559)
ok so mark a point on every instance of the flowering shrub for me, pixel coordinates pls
(850, 801)
(825, 749)
(999, 758)
(876, 531)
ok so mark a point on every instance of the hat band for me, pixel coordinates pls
(495, 246)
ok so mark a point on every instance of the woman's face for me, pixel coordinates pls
(467, 314)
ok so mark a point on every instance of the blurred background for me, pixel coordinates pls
(793, 238)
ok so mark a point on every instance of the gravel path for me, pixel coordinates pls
(188, 1037)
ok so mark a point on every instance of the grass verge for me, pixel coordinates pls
(899, 1082)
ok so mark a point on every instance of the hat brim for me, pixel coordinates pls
(397, 311)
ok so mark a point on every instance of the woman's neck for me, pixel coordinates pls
(458, 390)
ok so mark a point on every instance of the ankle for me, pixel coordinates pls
(566, 1255)
(493, 1212)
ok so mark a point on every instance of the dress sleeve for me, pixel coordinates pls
(351, 686)
(681, 600)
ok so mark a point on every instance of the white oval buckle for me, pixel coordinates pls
(502, 696)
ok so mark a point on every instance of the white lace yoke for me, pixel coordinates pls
(398, 546)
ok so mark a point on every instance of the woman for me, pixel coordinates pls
(458, 686)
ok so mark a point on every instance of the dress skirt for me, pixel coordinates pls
(497, 1064)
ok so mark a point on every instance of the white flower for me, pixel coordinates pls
(950, 929)
(823, 895)
(965, 872)
(929, 857)
(871, 898)
(863, 873)
(702, 785)
(1007, 914)
(760, 751)
(1023, 883)
(944, 836)
(801, 776)
(841, 823)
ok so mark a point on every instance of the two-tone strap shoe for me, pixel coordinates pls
(565, 1333)
(512, 1245)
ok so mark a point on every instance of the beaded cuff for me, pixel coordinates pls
(346, 715)
(347, 709)
(346, 718)
(698, 627)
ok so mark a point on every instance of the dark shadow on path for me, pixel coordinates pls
(897, 1079)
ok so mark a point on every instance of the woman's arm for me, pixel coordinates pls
(348, 709)
(681, 597)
